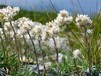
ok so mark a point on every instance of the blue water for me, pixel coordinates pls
(83, 6)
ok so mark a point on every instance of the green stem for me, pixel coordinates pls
(57, 56)
(56, 49)
(35, 53)
(4, 34)
(16, 42)
(43, 56)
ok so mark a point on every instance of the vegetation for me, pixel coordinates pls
(41, 17)
(50, 44)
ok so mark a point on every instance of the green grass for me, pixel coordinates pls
(42, 17)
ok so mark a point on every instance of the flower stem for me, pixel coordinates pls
(56, 49)
(36, 57)
(43, 56)
(4, 34)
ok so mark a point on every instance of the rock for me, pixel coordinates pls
(41, 67)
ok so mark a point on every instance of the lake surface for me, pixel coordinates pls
(83, 6)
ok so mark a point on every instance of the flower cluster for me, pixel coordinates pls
(52, 29)
(46, 37)
(83, 20)
(8, 29)
(37, 31)
(8, 13)
(23, 24)
(63, 18)
(7, 26)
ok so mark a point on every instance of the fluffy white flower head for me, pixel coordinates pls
(7, 26)
(9, 12)
(53, 27)
(37, 29)
(77, 53)
(64, 13)
(24, 23)
(83, 20)
(47, 34)
(63, 18)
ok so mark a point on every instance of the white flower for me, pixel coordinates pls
(21, 32)
(23, 24)
(16, 10)
(53, 27)
(63, 18)
(47, 65)
(77, 53)
(83, 20)
(60, 43)
(9, 12)
(47, 34)
(41, 67)
(37, 29)
(60, 58)
(7, 26)
(64, 13)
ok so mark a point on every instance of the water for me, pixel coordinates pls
(87, 6)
